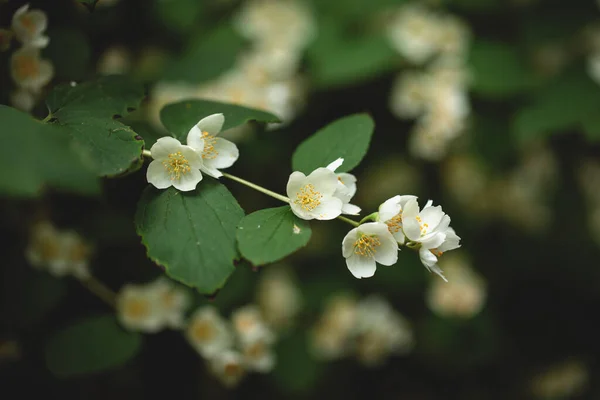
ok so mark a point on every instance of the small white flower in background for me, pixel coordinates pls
(115, 60)
(228, 367)
(330, 338)
(138, 309)
(278, 297)
(463, 295)
(415, 33)
(410, 94)
(257, 352)
(174, 165)
(29, 27)
(217, 153)
(208, 332)
(390, 213)
(380, 331)
(249, 324)
(172, 300)
(62, 253)
(430, 229)
(313, 196)
(366, 245)
(23, 99)
(28, 70)
(346, 188)
(565, 380)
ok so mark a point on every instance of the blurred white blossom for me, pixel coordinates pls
(29, 71)
(228, 367)
(463, 295)
(29, 26)
(208, 332)
(560, 381)
(62, 253)
(278, 297)
(330, 337)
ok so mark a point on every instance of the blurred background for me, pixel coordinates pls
(490, 108)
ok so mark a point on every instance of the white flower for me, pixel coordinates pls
(415, 33)
(380, 331)
(278, 297)
(28, 70)
(367, 244)
(390, 213)
(174, 165)
(172, 301)
(430, 229)
(346, 188)
(28, 27)
(23, 99)
(462, 296)
(258, 354)
(330, 338)
(217, 153)
(228, 367)
(61, 253)
(138, 309)
(313, 196)
(249, 325)
(208, 332)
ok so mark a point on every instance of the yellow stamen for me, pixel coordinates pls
(422, 226)
(308, 198)
(177, 165)
(366, 245)
(395, 223)
(137, 308)
(26, 67)
(203, 331)
(209, 146)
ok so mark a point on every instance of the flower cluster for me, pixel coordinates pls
(369, 329)
(399, 222)
(152, 307)
(266, 76)
(234, 347)
(436, 95)
(28, 70)
(278, 297)
(463, 295)
(62, 253)
(181, 166)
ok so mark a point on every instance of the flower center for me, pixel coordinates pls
(233, 369)
(177, 165)
(436, 252)
(423, 226)
(203, 331)
(137, 308)
(394, 224)
(209, 146)
(256, 350)
(366, 245)
(26, 67)
(28, 23)
(308, 197)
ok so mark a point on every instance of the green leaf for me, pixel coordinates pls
(336, 59)
(571, 101)
(347, 137)
(497, 70)
(191, 234)
(207, 56)
(179, 118)
(92, 344)
(269, 235)
(87, 112)
(34, 155)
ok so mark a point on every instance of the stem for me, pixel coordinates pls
(256, 187)
(348, 220)
(48, 118)
(370, 217)
(100, 289)
(146, 153)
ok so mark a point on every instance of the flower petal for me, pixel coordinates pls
(195, 140)
(211, 124)
(158, 176)
(164, 146)
(361, 266)
(348, 243)
(328, 209)
(227, 154)
(324, 180)
(387, 252)
(335, 165)
(210, 171)
(432, 216)
(389, 209)
(427, 257)
(410, 225)
(188, 181)
(350, 209)
(295, 182)
(192, 156)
